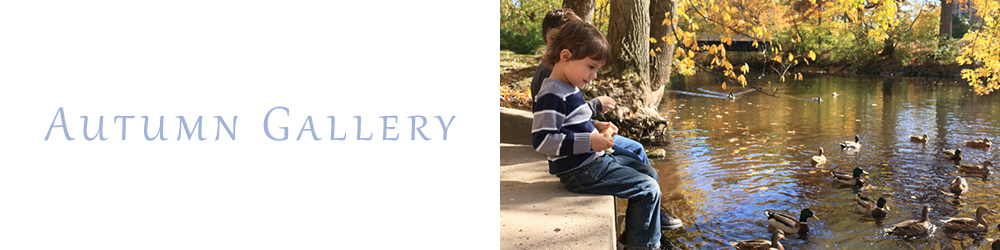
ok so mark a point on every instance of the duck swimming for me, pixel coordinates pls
(788, 223)
(952, 154)
(914, 138)
(913, 227)
(875, 209)
(975, 169)
(762, 244)
(818, 159)
(852, 144)
(969, 224)
(981, 144)
(852, 179)
(958, 186)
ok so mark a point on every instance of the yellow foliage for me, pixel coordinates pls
(745, 69)
(982, 51)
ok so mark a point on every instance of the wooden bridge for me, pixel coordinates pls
(738, 44)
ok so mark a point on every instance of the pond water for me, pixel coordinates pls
(729, 161)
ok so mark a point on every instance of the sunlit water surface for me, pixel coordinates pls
(731, 160)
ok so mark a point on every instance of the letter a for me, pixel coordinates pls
(59, 114)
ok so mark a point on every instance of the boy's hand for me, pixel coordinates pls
(602, 126)
(598, 142)
(607, 104)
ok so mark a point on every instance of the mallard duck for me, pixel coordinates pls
(952, 154)
(913, 227)
(834, 94)
(854, 178)
(762, 244)
(984, 143)
(969, 224)
(818, 159)
(975, 169)
(915, 138)
(790, 224)
(852, 144)
(958, 186)
(875, 209)
(731, 96)
(817, 99)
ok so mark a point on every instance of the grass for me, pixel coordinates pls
(509, 59)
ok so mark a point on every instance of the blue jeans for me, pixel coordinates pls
(625, 177)
(625, 146)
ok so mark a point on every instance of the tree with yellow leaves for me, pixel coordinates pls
(982, 50)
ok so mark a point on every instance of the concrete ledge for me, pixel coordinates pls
(536, 212)
(515, 126)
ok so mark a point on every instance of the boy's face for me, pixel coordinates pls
(580, 72)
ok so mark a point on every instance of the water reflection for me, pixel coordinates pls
(731, 160)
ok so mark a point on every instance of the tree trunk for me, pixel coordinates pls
(946, 12)
(637, 96)
(583, 8)
(888, 48)
(628, 34)
(660, 66)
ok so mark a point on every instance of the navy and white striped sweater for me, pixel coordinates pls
(561, 127)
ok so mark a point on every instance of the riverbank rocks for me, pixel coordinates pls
(656, 153)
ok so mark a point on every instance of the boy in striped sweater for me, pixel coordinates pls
(562, 130)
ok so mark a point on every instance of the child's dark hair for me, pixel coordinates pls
(556, 18)
(581, 39)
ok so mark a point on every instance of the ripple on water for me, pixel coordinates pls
(741, 158)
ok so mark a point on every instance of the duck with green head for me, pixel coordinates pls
(875, 209)
(788, 223)
(852, 179)
(952, 154)
(969, 224)
(913, 227)
(762, 244)
(975, 169)
(856, 144)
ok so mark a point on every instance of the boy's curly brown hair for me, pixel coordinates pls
(581, 39)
